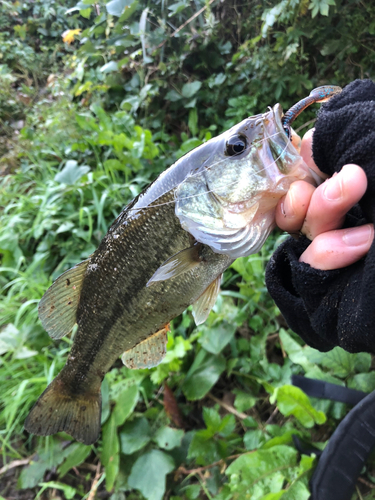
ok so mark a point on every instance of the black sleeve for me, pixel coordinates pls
(334, 308)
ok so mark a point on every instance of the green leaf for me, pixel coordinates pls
(295, 351)
(134, 435)
(293, 401)
(216, 337)
(78, 453)
(203, 374)
(110, 456)
(298, 491)
(69, 491)
(117, 7)
(50, 457)
(85, 13)
(193, 121)
(243, 401)
(252, 468)
(173, 96)
(64, 227)
(273, 496)
(363, 382)
(254, 439)
(341, 363)
(189, 89)
(71, 173)
(113, 165)
(125, 404)
(177, 7)
(149, 472)
(109, 67)
(86, 122)
(168, 438)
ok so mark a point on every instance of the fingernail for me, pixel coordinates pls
(287, 205)
(358, 236)
(333, 188)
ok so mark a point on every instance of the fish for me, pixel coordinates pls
(167, 250)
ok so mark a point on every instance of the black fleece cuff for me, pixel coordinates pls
(330, 308)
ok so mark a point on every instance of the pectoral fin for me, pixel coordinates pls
(149, 352)
(58, 307)
(179, 263)
(203, 306)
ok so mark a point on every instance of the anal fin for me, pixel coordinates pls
(149, 352)
(203, 306)
(58, 307)
(179, 263)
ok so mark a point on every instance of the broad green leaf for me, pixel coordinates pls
(33, 473)
(295, 351)
(216, 337)
(339, 361)
(148, 474)
(273, 496)
(363, 382)
(64, 227)
(251, 468)
(244, 401)
(173, 96)
(168, 438)
(285, 438)
(134, 435)
(117, 7)
(189, 89)
(203, 374)
(298, 491)
(254, 439)
(71, 173)
(78, 453)
(125, 404)
(177, 7)
(114, 165)
(293, 401)
(85, 13)
(86, 122)
(108, 67)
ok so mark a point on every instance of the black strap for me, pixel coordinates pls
(350, 445)
(326, 390)
(343, 458)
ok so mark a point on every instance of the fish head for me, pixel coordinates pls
(228, 198)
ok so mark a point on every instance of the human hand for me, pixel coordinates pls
(319, 213)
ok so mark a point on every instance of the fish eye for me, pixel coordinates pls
(235, 145)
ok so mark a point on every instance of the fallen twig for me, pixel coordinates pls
(367, 483)
(95, 482)
(16, 463)
(227, 407)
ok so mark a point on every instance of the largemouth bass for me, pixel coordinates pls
(167, 250)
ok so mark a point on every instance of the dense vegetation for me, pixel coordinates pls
(96, 99)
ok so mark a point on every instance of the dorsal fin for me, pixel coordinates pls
(203, 306)
(149, 352)
(58, 307)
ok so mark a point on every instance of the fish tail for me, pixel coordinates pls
(59, 409)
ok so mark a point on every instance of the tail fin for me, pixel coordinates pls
(59, 410)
